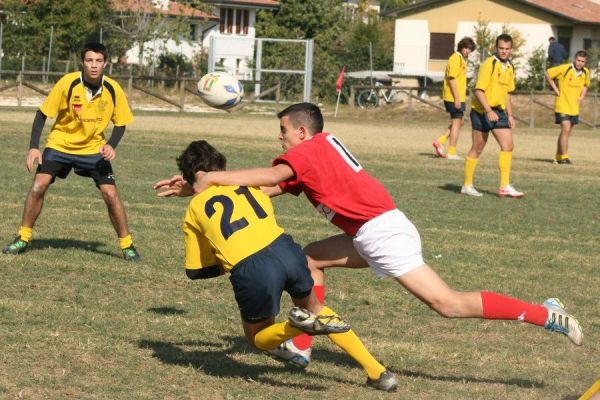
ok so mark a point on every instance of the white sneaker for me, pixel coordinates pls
(562, 322)
(469, 190)
(510, 191)
(454, 157)
(286, 351)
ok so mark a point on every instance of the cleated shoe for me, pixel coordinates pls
(565, 161)
(562, 322)
(469, 190)
(17, 246)
(314, 324)
(510, 191)
(131, 254)
(387, 382)
(439, 150)
(454, 157)
(289, 353)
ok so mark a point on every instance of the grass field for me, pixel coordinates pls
(79, 322)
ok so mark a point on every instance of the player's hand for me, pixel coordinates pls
(34, 154)
(457, 104)
(512, 122)
(557, 92)
(108, 153)
(174, 187)
(492, 116)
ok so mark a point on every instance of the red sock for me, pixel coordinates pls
(304, 341)
(497, 306)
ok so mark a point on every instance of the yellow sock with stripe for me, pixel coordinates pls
(272, 336)
(451, 150)
(560, 157)
(125, 242)
(25, 233)
(470, 165)
(442, 139)
(504, 163)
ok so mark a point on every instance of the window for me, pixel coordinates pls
(441, 46)
(193, 31)
(241, 22)
(226, 20)
(589, 44)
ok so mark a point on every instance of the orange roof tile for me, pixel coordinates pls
(175, 9)
(585, 11)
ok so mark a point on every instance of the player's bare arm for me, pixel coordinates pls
(511, 119)
(257, 177)
(552, 84)
(455, 94)
(583, 93)
(492, 116)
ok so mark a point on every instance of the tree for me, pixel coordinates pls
(486, 39)
(323, 21)
(134, 25)
(535, 71)
(27, 26)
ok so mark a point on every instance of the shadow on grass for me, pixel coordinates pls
(541, 160)
(430, 155)
(40, 244)
(220, 363)
(524, 383)
(167, 310)
(451, 187)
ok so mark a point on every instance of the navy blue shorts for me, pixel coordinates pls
(480, 122)
(573, 119)
(59, 164)
(455, 113)
(259, 280)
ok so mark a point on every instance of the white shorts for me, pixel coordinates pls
(390, 243)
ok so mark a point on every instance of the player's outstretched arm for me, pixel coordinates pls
(175, 186)
(257, 177)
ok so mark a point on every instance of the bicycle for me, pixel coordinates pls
(371, 97)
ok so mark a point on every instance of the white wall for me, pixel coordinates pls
(411, 44)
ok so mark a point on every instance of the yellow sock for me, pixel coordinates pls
(563, 156)
(451, 150)
(26, 233)
(504, 162)
(351, 344)
(125, 242)
(470, 164)
(272, 336)
(442, 139)
(558, 156)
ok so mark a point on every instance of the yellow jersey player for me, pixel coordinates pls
(233, 229)
(492, 111)
(573, 82)
(454, 95)
(83, 104)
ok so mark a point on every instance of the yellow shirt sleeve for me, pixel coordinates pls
(56, 99)
(122, 113)
(511, 84)
(485, 74)
(198, 251)
(587, 74)
(557, 71)
(454, 66)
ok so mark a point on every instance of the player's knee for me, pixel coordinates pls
(38, 189)
(110, 196)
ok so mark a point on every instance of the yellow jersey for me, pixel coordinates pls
(496, 78)
(570, 85)
(455, 69)
(80, 118)
(225, 224)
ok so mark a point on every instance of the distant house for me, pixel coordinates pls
(228, 28)
(427, 31)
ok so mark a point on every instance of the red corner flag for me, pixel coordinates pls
(340, 80)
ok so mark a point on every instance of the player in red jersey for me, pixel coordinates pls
(376, 234)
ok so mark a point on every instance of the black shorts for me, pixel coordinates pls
(455, 113)
(59, 164)
(259, 280)
(573, 119)
(480, 122)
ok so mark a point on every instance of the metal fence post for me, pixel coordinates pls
(531, 113)
(181, 94)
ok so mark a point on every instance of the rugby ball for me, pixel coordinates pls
(220, 90)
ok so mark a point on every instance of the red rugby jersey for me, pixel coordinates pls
(335, 182)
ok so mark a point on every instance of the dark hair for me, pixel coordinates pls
(304, 114)
(200, 156)
(466, 43)
(96, 48)
(581, 53)
(552, 38)
(505, 37)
